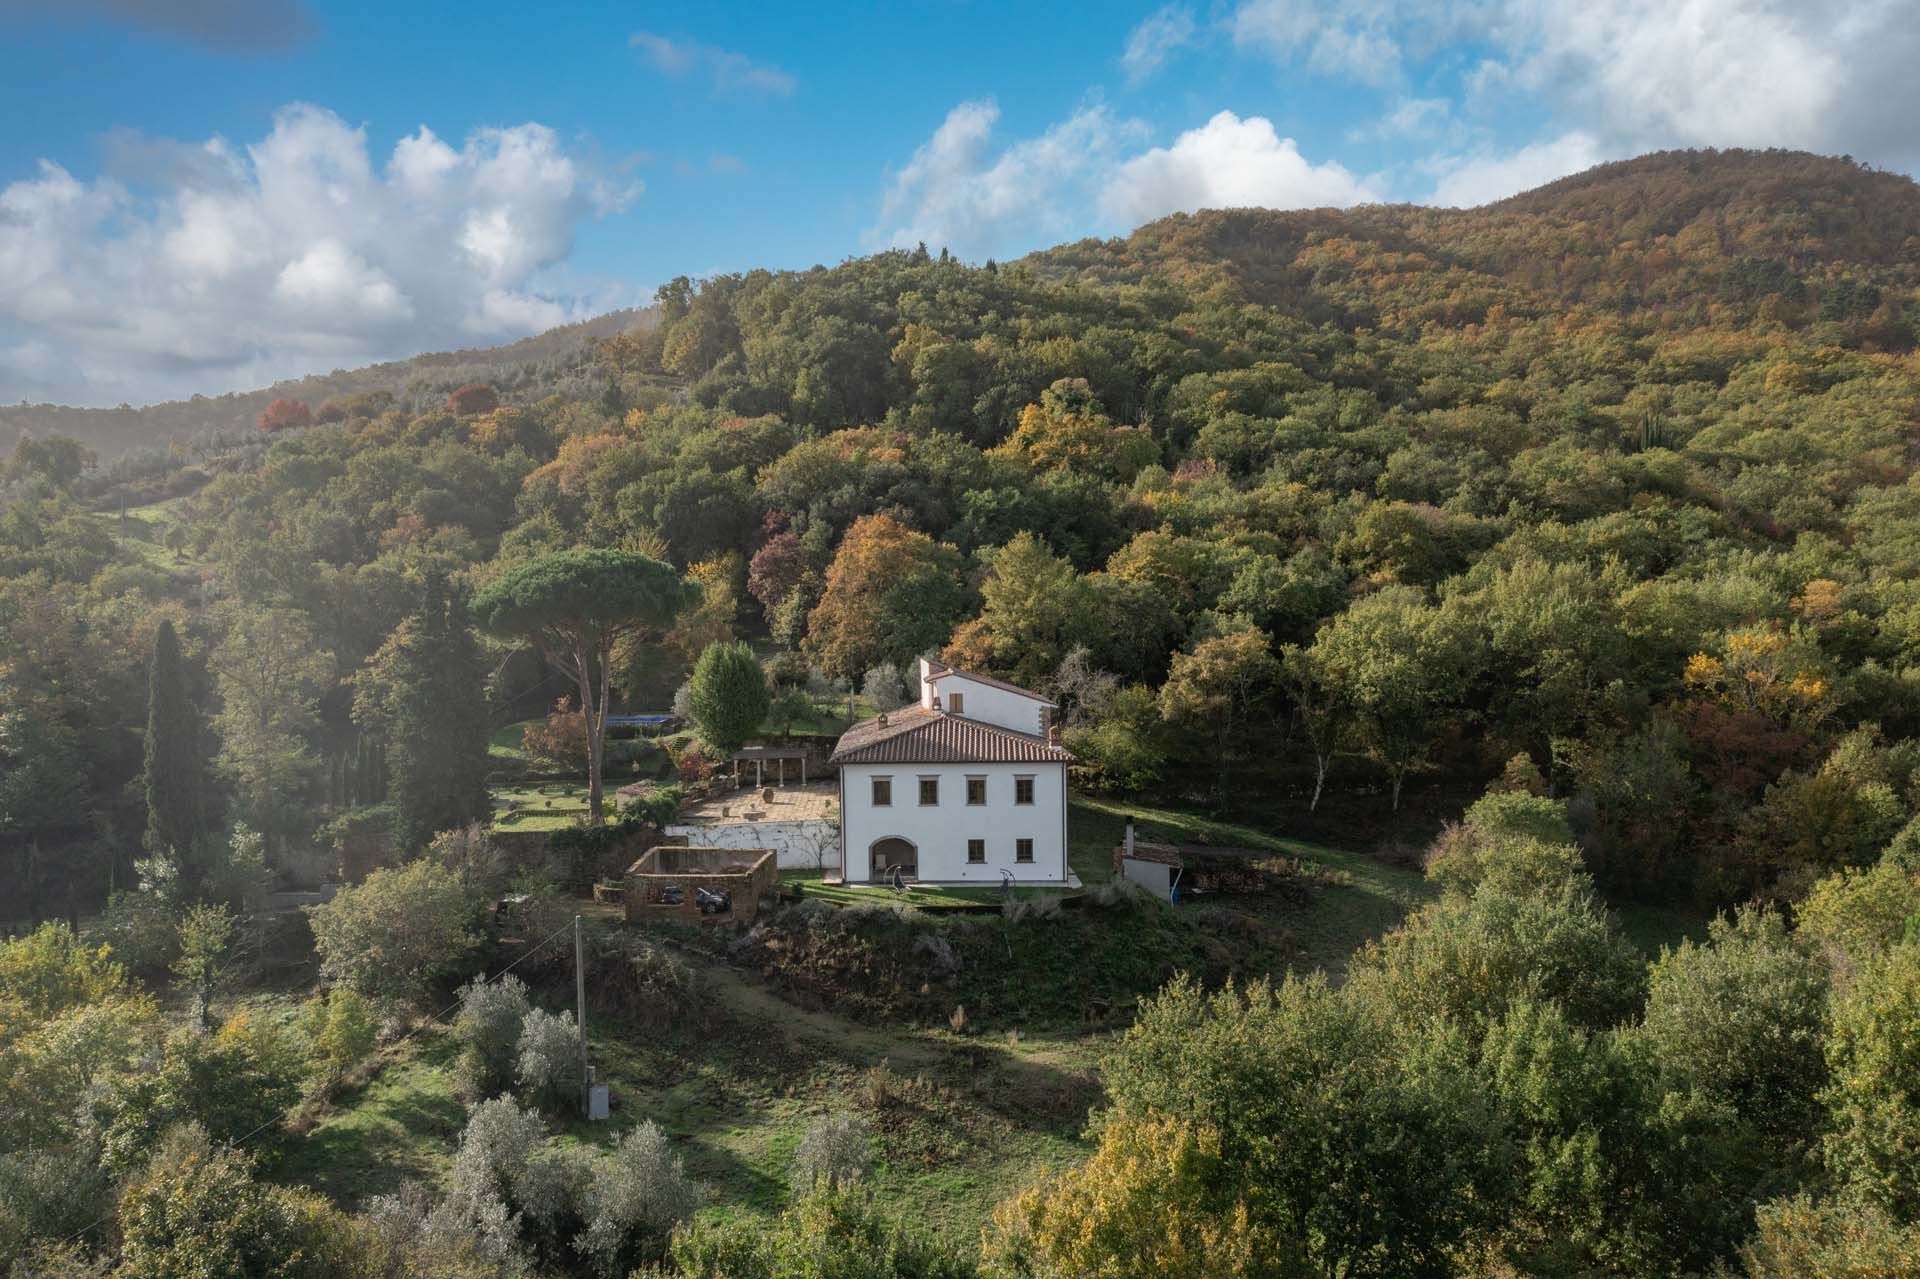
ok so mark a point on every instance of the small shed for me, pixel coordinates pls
(1155, 867)
(701, 884)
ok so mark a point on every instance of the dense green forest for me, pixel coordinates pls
(1597, 502)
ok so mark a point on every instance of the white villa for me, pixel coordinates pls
(968, 787)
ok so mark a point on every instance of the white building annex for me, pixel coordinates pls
(969, 787)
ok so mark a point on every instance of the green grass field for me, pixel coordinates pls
(960, 1121)
(542, 805)
(143, 531)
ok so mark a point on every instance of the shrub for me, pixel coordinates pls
(656, 806)
(232, 1084)
(836, 1151)
(1741, 1020)
(206, 932)
(50, 970)
(548, 1064)
(1804, 1238)
(139, 929)
(1155, 1200)
(341, 1028)
(1470, 958)
(1464, 859)
(489, 1174)
(470, 851)
(636, 1197)
(1874, 1101)
(1340, 1126)
(560, 739)
(1857, 914)
(195, 1211)
(644, 980)
(487, 1029)
(1519, 812)
(50, 1193)
(692, 764)
(827, 1234)
(64, 1059)
(394, 935)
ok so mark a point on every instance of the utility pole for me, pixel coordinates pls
(580, 1016)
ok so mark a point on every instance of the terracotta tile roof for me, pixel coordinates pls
(944, 671)
(916, 735)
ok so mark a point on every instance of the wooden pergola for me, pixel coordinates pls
(760, 756)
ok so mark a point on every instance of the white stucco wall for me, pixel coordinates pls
(940, 832)
(797, 845)
(985, 702)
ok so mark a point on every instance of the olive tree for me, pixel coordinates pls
(576, 606)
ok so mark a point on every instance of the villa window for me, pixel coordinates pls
(977, 852)
(976, 790)
(1023, 790)
(1023, 850)
(957, 703)
(883, 792)
(929, 791)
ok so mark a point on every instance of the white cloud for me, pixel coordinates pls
(1159, 35)
(1821, 74)
(1408, 118)
(1358, 39)
(966, 191)
(958, 192)
(1228, 163)
(727, 71)
(1825, 75)
(1486, 176)
(242, 265)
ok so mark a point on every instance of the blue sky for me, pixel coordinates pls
(203, 195)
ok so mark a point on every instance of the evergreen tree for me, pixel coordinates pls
(175, 776)
(424, 692)
(729, 696)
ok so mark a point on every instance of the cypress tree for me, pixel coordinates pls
(175, 773)
(425, 694)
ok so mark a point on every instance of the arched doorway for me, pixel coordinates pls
(894, 853)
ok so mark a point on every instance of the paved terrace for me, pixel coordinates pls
(814, 802)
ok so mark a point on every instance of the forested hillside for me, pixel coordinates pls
(1598, 501)
(1614, 474)
(545, 362)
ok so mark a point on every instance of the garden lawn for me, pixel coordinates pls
(542, 805)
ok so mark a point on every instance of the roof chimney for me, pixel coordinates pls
(1053, 734)
(883, 719)
(1129, 836)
